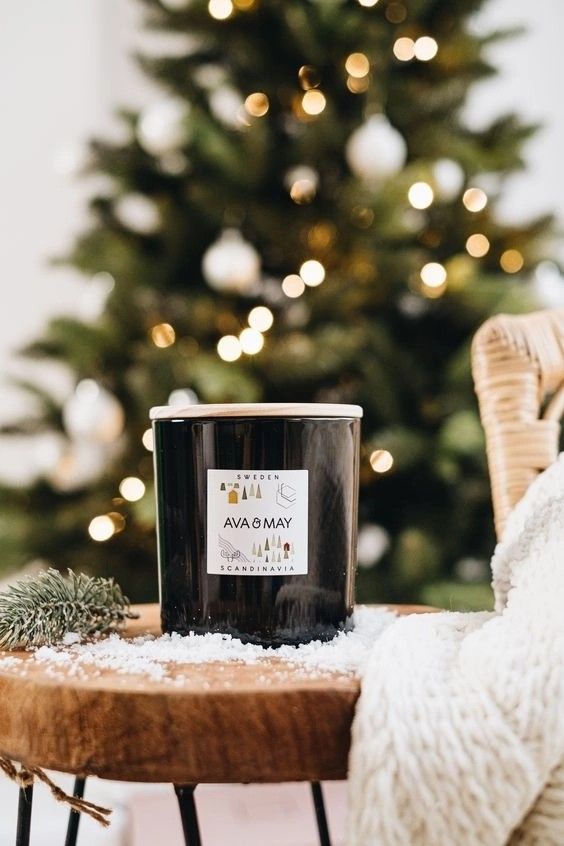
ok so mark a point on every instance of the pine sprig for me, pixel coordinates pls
(40, 610)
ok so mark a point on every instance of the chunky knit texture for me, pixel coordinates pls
(458, 738)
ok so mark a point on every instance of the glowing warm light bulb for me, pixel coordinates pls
(433, 274)
(163, 335)
(261, 318)
(404, 49)
(420, 195)
(101, 528)
(367, 3)
(251, 341)
(474, 199)
(293, 285)
(131, 488)
(147, 440)
(220, 9)
(313, 102)
(381, 460)
(511, 261)
(357, 65)
(257, 104)
(229, 348)
(477, 245)
(312, 272)
(425, 48)
(358, 86)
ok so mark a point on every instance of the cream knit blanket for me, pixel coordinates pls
(458, 738)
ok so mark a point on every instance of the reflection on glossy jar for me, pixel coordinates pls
(257, 519)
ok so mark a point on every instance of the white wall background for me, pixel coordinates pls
(64, 66)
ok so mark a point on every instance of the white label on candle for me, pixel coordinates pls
(257, 522)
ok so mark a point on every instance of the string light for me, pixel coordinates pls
(132, 488)
(163, 335)
(367, 3)
(474, 199)
(220, 9)
(261, 318)
(313, 102)
(147, 440)
(358, 86)
(251, 341)
(425, 48)
(477, 245)
(244, 5)
(101, 528)
(433, 274)
(257, 104)
(420, 195)
(293, 286)
(309, 77)
(381, 460)
(511, 261)
(357, 65)
(229, 348)
(312, 273)
(404, 49)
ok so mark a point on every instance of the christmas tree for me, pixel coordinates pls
(301, 215)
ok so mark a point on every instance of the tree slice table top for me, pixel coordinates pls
(226, 722)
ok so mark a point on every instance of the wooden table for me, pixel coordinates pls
(227, 722)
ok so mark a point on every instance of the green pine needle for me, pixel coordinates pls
(40, 610)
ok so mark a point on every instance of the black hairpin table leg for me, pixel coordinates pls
(188, 813)
(320, 814)
(74, 816)
(25, 802)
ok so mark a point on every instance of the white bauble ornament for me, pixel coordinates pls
(93, 414)
(448, 178)
(163, 126)
(548, 285)
(80, 464)
(231, 264)
(181, 397)
(373, 543)
(227, 106)
(47, 449)
(138, 213)
(376, 150)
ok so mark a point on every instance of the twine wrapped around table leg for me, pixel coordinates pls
(24, 777)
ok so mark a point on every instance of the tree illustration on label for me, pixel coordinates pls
(252, 491)
(266, 546)
(259, 495)
(222, 487)
(244, 496)
(233, 497)
(279, 544)
(254, 549)
(286, 550)
(259, 553)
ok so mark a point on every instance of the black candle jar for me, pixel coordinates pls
(257, 519)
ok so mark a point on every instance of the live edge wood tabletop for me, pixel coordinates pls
(227, 722)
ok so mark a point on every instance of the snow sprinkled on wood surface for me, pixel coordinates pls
(161, 658)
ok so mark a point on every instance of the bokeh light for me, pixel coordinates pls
(261, 318)
(293, 285)
(475, 199)
(381, 460)
(251, 341)
(477, 245)
(163, 335)
(229, 348)
(312, 272)
(511, 261)
(420, 195)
